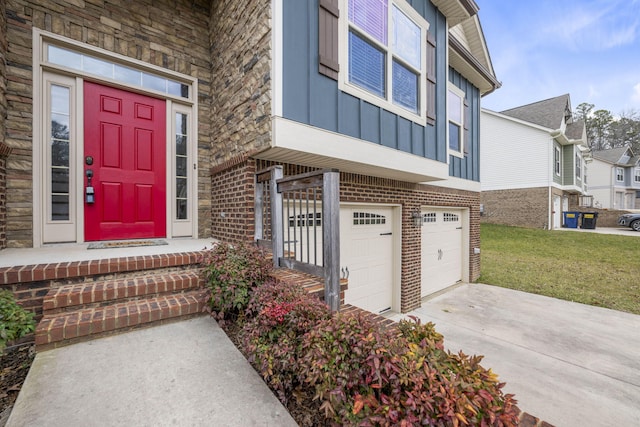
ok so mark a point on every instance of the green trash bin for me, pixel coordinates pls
(588, 220)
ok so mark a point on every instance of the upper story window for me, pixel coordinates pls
(636, 175)
(455, 114)
(619, 174)
(556, 161)
(385, 54)
(578, 166)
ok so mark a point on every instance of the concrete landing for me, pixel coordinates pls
(186, 373)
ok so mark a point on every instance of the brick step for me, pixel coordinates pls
(93, 294)
(69, 327)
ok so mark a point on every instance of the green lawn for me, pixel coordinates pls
(595, 269)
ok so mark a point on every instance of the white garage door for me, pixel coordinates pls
(441, 249)
(366, 251)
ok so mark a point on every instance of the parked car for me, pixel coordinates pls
(630, 220)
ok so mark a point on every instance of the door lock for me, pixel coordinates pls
(89, 192)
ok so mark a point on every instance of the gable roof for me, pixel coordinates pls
(613, 156)
(548, 113)
(576, 130)
(468, 54)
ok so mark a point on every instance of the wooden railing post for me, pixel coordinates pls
(331, 238)
(277, 229)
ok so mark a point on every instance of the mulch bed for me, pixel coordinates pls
(14, 364)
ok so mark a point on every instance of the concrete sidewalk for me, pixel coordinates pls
(186, 373)
(569, 364)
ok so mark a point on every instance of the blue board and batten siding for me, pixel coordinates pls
(311, 98)
(469, 166)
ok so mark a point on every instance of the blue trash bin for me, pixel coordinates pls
(571, 219)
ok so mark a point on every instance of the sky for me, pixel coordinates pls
(541, 49)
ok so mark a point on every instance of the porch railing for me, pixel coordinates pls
(298, 218)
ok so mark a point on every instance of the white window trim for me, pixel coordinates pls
(182, 227)
(636, 175)
(46, 73)
(352, 89)
(557, 164)
(619, 172)
(578, 165)
(460, 93)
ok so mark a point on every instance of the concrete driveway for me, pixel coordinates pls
(567, 363)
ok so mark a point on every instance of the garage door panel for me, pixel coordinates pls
(366, 249)
(441, 249)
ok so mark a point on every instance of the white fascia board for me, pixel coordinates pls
(457, 184)
(297, 142)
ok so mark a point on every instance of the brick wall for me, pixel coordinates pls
(526, 207)
(4, 149)
(241, 64)
(168, 33)
(232, 200)
(233, 194)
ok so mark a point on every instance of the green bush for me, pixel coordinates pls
(15, 321)
(279, 315)
(364, 375)
(231, 272)
(357, 372)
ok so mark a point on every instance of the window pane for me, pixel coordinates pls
(60, 99)
(406, 38)
(60, 180)
(181, 145)
(405, 87)
(181, 124)
(97, 66)
(370, 16)
(153, 82)
(454, 136)
(181, 166)
(181, 188)
(181, 209)
(64, 57)
(127, 75)
(179, 89)
(59, 153)
(366, 65)
(59, 126)
(454, 107)
(59, 207)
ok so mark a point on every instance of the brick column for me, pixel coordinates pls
(5, 150)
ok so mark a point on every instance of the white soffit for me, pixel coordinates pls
(302, 144)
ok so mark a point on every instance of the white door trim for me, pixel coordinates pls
(45, 73)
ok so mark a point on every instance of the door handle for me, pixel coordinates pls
(386, 234)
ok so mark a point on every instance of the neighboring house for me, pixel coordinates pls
(614, 179)
(150, 119)
(533, 158)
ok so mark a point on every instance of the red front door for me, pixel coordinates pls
(124, 148)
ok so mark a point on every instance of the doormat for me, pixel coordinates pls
(126, 244)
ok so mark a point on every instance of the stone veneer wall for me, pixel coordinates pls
(525, 207)
(234, 190)
(5, 150)
(169, 33)
(241, 63)
(241, 110)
